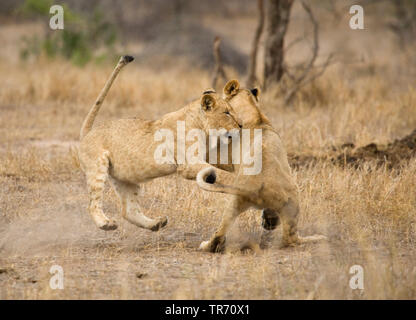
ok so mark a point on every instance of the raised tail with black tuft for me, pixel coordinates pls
(89, 120)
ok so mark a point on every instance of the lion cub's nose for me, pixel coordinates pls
(240, 122)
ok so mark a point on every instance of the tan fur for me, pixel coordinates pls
(273, 189)
(123, 151)
(89, 120)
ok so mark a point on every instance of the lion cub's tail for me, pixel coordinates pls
(89, 120)
(207, 180)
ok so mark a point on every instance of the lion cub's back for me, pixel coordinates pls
(132, 151)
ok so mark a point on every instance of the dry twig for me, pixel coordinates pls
(219, 70)
(307, 76)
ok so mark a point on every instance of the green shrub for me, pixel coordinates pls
(78, 41)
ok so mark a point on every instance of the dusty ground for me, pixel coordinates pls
(367, 211)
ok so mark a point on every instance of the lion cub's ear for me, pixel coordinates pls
(231, 88)
(208, 102)
(209, 90)
(256, 93)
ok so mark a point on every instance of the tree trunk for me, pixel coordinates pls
(251, 75)
(278, 15)
(219, 70)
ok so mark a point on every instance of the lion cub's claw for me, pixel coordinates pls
(162, 223)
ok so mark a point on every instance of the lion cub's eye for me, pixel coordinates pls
(227, 113)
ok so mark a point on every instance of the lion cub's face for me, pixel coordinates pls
(217, 113)
(244, 102)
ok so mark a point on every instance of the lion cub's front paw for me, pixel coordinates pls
(160, 224)
(215, 245)
(109, 225)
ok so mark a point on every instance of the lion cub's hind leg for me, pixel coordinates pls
(217, 241)
(97, 173)
(289, 214)
(130, 209)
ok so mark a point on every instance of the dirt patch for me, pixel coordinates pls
(392, 155)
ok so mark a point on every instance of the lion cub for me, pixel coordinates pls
(123, 151)
(273, 189)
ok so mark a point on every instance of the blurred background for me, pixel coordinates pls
(160, 33)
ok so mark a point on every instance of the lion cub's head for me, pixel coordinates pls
(217, 112)
(245, 103)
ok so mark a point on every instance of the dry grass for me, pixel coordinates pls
(369, 214)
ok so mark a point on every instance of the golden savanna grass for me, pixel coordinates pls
(368, 213)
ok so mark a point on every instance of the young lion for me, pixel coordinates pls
(272, 190)
(123, 151)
